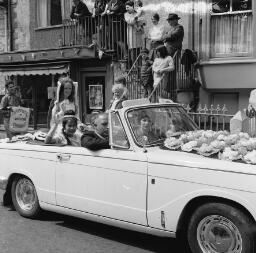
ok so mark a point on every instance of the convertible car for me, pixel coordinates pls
(137, 184)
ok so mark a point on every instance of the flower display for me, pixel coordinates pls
(230, 147)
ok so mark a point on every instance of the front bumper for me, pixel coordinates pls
(3, 183)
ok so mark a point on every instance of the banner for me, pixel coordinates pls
(19, 119)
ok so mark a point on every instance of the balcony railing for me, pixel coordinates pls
(108, 33)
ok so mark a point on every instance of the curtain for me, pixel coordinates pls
(231, 34)
(66, 8)
(42, 12)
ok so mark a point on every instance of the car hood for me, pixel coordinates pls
(157, 155)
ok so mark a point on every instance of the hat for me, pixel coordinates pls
(173, 16)
(144, 50)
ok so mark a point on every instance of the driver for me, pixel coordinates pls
(145, 134)
(97, 138)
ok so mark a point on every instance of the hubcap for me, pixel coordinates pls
(217, 234)
(25, 194)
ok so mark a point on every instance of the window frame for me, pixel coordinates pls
(229, 13)
(47, 15)
(111, 142)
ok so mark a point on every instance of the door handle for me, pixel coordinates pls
(63, 157)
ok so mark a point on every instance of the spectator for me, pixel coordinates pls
(134, 35)
(99, 7)
(162, 64)
(97, 138)
(8, 101)
(79, 10)
(146, 73)
(174, 37)
(155, 34)
(114, 25)
(119, 96)
(114, 7)
(68, 134)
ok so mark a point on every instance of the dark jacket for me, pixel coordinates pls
(93, 142)
(117, 7)
(174, 36)
(99, 6)
(81, 9)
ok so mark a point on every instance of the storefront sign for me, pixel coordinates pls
(19, 119)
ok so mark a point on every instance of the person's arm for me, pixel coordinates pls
(72, 15)
(176, 34)
(93, 143)
(170, 66)
(84, 12)
(105, 11)
(49, 138)
(4, 103)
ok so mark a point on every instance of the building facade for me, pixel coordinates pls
(37, 47)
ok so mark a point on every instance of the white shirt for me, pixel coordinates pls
(156, 32)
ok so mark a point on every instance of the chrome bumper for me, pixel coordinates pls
(3, 183)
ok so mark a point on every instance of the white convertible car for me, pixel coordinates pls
(137, 184)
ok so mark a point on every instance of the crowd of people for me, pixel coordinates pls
(162, 43)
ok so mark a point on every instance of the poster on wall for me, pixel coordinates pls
(96, 97)
(19, 119)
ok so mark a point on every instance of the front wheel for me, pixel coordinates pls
(220, 228)
(24, 197)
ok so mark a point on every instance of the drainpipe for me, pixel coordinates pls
(193, 24)
(10, 30)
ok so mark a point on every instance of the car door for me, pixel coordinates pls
(110, 182)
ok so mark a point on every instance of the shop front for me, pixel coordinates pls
(36, 85)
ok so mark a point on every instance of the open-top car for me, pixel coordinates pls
(138, 184)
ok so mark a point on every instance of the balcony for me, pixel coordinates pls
(107, 33)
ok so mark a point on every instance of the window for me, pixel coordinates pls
(231, 28)
(118, 136)
(52, 12)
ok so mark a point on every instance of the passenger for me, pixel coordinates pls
(9, 100)
(68, 135)
(99, 137)
(119, 95)
(65, 101)
(145, 133)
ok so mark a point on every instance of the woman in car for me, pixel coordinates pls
(68, 135)
(145, 134)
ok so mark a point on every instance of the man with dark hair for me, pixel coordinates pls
(7, 102)
(174, 37)
(98, 138)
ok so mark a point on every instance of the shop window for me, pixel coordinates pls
(231, 28)
(51, 12)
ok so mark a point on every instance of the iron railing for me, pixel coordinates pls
(107, 33)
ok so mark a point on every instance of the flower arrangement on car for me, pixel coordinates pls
(218, 144)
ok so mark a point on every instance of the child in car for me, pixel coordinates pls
(68, 135)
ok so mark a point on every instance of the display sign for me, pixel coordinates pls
(19, 119)
(96, 97)
(52, 91)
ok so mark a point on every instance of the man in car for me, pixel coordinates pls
(98, 138)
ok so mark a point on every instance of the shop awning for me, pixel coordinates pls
(34, 69)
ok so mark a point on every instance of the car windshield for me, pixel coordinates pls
(150, 126)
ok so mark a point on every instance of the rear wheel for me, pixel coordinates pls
(220, 228)
(24, 197)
